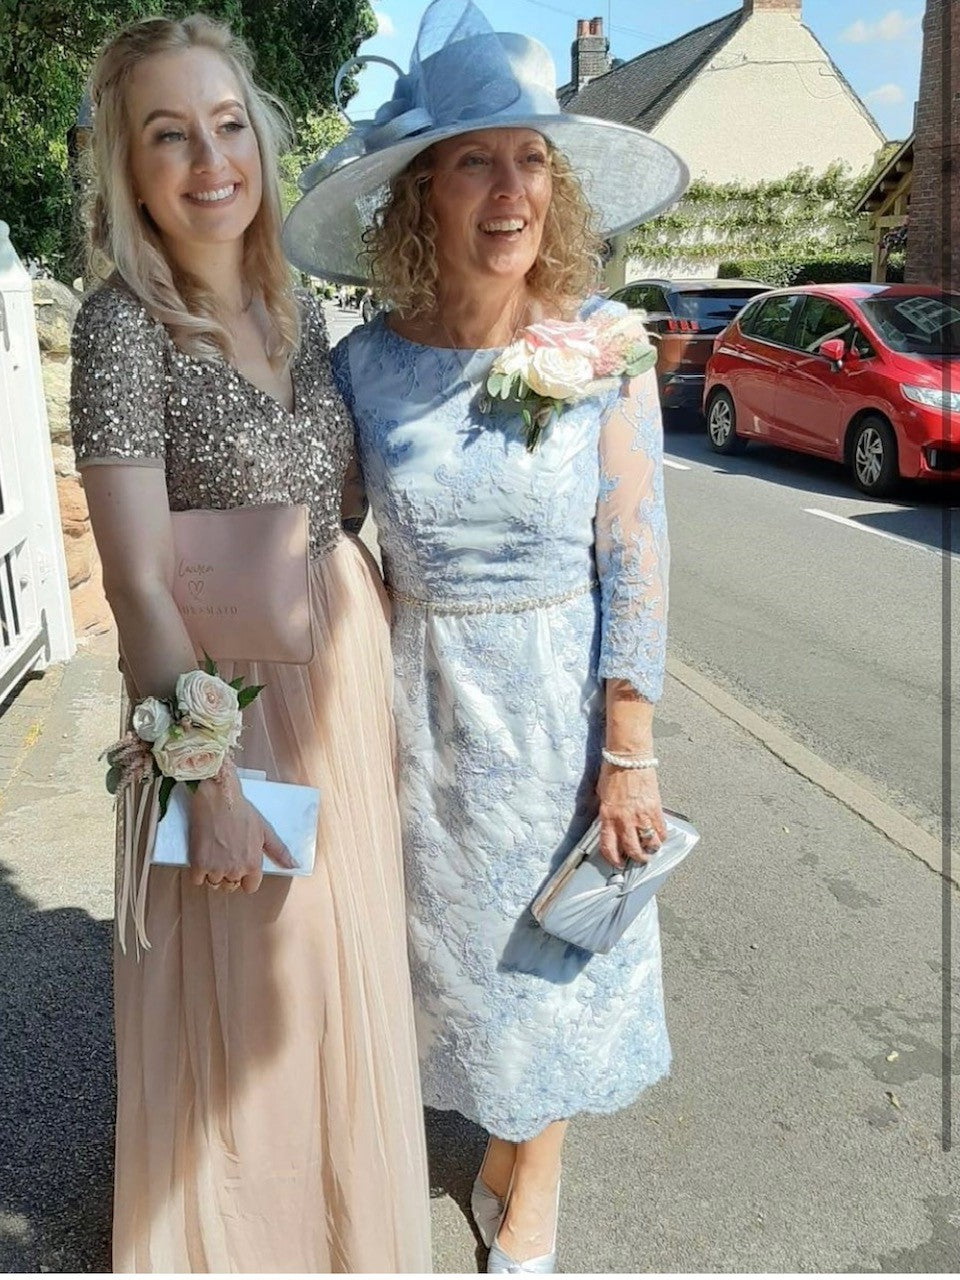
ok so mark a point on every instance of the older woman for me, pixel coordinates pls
(529, 586)
(268, 1107)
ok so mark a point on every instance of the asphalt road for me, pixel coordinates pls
(819, 608)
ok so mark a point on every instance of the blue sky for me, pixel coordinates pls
(876, 45)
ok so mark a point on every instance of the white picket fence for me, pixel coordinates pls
(35, 623)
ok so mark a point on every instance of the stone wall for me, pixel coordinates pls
(55, 307)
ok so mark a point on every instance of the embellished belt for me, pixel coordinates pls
(462, 608)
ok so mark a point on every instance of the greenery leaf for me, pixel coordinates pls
(113, 779)
(247, 695)
(209, 666)
(237, 684)
(166, 787)
(645, 360)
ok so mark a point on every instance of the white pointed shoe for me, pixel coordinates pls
(499, 1261)
(486, 1206)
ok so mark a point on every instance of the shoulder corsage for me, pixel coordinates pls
(559, 363)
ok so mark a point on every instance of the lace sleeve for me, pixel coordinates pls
(631, 540)
(340, 363)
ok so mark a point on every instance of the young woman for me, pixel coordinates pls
(268, 1111)
(529, 588)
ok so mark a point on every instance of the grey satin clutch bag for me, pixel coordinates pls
(591, 904)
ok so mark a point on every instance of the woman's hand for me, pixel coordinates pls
(228, 838)
(631, 815)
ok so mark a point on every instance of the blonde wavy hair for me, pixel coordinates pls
(400, 245)
(122, 238)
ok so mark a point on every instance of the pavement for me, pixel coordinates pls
(800, 1129)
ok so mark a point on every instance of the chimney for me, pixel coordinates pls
(793, 7)
(590, 53)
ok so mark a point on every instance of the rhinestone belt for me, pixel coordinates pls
(460, 608)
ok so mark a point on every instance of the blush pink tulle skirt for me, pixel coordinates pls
(268, 1108)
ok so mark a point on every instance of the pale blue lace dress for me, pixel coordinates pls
(499, 705)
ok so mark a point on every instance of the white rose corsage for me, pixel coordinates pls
(186, 738)
(557, 363)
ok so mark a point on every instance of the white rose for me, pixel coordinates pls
(561, 375)
(208, 701)
(151, 719)
(190, 755)
(515, 359)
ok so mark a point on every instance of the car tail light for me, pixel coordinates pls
(683, 326)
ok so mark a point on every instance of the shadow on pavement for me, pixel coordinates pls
(56, 1087)
(57, 1094)
(915, 512)
(455, 1148)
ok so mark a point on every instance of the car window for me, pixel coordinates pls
(862, 345)
(630, 296)
(712, 309)
(657, 300)
(918, 324)
(771, 321)
(821, 320)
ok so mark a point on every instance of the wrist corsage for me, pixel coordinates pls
(559, 363)
(187, 738)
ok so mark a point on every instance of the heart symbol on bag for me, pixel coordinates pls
(196, 586)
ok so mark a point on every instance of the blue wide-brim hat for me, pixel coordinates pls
(465, 76)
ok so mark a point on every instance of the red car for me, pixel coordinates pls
(854, 372)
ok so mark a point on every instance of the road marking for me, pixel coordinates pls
(879, 533)
(883, 817)
(677, 466)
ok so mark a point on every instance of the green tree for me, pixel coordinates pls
(317, 132)
(48, 46)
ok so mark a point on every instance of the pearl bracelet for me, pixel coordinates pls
(630, 762)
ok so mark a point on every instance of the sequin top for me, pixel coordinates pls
(137, 398)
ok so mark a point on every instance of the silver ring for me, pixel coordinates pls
(646, 832)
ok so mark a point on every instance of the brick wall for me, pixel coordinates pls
(590, 55)
(933, 240)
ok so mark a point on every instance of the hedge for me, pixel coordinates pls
(785, 273)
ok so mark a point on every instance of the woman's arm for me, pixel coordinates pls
(353, 500)
(633, 564)
(131, 523)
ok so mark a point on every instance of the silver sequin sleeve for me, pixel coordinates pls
(117, 382)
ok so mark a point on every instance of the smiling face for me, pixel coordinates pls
(489, 193)
(194, 156)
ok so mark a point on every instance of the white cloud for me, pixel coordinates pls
(888, 95)
(892, 26)
(385, 26)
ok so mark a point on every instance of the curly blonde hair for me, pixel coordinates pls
(122, 238)
(400, 246)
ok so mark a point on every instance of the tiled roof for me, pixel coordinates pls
(639, 92)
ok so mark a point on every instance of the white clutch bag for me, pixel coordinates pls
(293, 812)
(589, 903)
